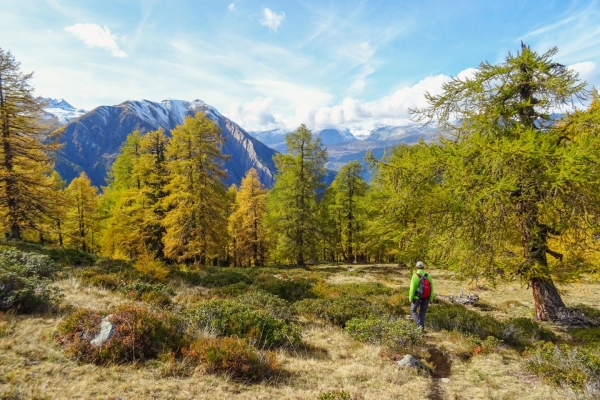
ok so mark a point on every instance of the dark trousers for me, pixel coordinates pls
(419, 316)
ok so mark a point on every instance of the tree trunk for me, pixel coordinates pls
(547, 299)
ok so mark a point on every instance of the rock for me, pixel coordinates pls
(411, 362)
(106, 331)
(445, 380)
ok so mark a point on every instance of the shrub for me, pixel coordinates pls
(586, 335)
(232, 357)
(522, 332)
(234, 290)
(364, 290)
(25, 280)
(456, 317)
(337, 310)
(335, 395)
(138, 334)
(393, 333)
(213, 277)
(107, 281)
(159, 294)
(232, 317)
(564, 364)
(154, 269)
(291, 290)
(272, 304)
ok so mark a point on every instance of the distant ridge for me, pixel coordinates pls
(92, 141)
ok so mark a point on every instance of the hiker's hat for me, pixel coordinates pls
(420, 264)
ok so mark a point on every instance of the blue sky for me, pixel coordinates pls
(276, 64)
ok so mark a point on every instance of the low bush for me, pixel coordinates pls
(562, 364)
(523, 332)
(234, 290)
(335, 395)
(233, 317)
(586, 335)
(364, 290)
(106, 281)
(158, 294)
(25, 282)
(232, 357)
(456, 317)
(213, 277)
(272, 304)
(292, 290)
(138, 334)
(334, 310)
(396, 334)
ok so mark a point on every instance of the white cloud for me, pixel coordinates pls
(231, 7)
(95, 36)
(356, 115)
(588, 70)
(272, 19)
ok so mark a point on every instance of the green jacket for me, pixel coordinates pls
(414, 284)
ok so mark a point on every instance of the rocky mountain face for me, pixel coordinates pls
(92, 141)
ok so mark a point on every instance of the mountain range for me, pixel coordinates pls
(92, 139)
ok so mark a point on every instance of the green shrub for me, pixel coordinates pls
(158, 294)
(292, 290)
(564, 365)
(232, 317)
(25, 280)
(522, 332)
(456, 317)
(336, 311)
(234, 290)
(213, 277)
(586, 335)
(272, 304)
(364, 290)
(138, 334)
(232, 357)
(335, 395)
(396, 334)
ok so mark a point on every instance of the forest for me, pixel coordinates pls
(507, 195)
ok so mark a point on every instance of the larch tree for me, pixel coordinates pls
(121, 201)
(25, 147)
(348, 190)
(248, 230)
(82, 222)
(196, 206)
(293, 206)
(504, 185)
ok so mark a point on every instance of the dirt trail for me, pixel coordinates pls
(441, 369)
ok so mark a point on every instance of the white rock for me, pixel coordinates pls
(106, 331)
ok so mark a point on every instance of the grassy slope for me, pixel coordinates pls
(32, 366)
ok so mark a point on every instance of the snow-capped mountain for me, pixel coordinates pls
(92, 142)
(61, 110)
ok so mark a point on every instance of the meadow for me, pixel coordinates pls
(321, 332)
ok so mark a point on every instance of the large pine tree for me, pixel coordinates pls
(25, 164)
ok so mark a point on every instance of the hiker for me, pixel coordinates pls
(420, 294)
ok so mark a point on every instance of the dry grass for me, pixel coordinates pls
(32, 366)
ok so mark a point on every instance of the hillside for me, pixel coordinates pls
(332, 361)
(92, 141)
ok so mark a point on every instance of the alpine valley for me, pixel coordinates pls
(92, 139)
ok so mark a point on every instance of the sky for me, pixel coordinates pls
(355, 64)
